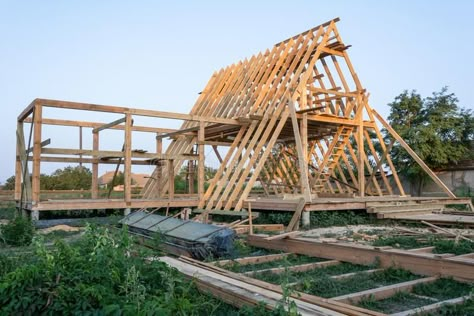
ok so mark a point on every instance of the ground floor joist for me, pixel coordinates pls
(416, 262)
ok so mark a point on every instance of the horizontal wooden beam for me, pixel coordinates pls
(112, 204)
(109, 125)
(43, 144)
(114, 154)
(178, 132)
(90, 160)
(58, 122)
(140, 112)
(27, 111)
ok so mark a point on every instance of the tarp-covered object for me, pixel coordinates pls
(200, 240)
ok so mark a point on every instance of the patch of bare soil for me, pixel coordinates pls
(65, 228)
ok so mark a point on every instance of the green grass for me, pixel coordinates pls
(327, 287)
(307, 276)
(291, 260)
(8, 211)
(340, 218)
(320, 219)
(399, 302)
(443, 289)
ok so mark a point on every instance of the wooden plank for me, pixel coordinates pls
(237, 288)
(139, 112)
(382, 292)
(109, 125)
(201, 166)
(128, 159)
(284, 235)
(296, 216)
(433, 307)
(95, 167)
(303, 169)
(241, 229)
(252, 260)
(360, 254)
(37, 116)
(352, 274)
(170, 179)
(410, 151)
(135, 128)
(297, 268)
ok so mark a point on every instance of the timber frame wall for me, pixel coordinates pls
(294, 119)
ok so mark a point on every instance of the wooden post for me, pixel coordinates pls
(95, 167)
(360, 149)
(159, 168)
(250, 219)
(190, 176)
(128, 159)
(201, 179)
(18, 177)
(305, 189)
(36, 158)
(80, 145)
(171, 179)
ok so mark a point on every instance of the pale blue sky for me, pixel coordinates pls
(159, 55)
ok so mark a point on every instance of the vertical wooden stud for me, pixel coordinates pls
(128, 159)
(36, 153)
(201, 166)
(95, 166)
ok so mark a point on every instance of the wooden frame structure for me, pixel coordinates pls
(294, 119)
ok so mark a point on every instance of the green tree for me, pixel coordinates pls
(436, 128)
(70, 178)
(9, 183)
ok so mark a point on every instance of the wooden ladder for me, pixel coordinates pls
(331, 157)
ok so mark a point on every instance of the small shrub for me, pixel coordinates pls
(18, 232)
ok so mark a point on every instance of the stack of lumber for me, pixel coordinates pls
(240, 290)
(397, 210)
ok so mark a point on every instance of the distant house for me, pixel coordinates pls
(138, 180)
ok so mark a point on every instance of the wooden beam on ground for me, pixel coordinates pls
(242, 229)
(382, 292)
(410, 151)
(237, 292)
(343, 308)
(433, 307)
(361, 254)
(297, 268)
(284, 235)
(252, 260)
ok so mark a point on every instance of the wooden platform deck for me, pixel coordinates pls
(91, 204)
(355, 203)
